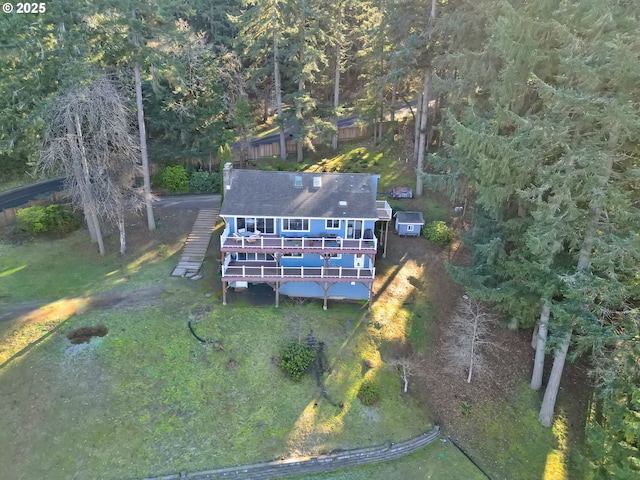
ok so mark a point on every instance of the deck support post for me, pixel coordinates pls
(386, 234)
(277, 294)
(370, 297)
(224, 292)
(326, 288)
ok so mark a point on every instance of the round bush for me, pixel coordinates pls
(438, 232)
(295, 359)
(52, 219)
(368, 393)
(175, 178)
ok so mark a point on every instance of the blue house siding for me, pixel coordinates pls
(340, 291)
(310, 227)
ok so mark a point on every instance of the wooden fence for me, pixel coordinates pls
(345, 134)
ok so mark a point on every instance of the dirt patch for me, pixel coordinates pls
(85, 334)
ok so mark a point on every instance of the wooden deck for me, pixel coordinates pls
(274, 243)
(195, 248)
(244, 272)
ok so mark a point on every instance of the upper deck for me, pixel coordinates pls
(275, 243)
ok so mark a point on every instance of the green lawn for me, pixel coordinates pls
(149, 399)
(513, 440)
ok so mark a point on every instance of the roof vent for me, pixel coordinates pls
(297, 181)
(342, 203)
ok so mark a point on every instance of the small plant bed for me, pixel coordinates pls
(85, 334)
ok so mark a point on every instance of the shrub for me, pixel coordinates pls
(368, 393)
(175, 178)
(51, 219)
(202, 182)
(438, 232)
(295, 359)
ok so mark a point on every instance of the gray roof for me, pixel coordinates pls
(410, 217)
(274, 194)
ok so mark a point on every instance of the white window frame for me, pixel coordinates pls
(410, 227)
(331, 227)
(246, 221)
(293, 255)
(286, 224)
(253, 257)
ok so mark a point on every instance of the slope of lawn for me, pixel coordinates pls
(149, 399)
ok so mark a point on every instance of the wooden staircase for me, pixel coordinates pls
(195, 248)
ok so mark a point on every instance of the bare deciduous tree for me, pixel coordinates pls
(88, 138)
(404, 367)
(467, 338)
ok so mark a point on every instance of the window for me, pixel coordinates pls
(295, 224)
(354, 229)
(409, 228)
(255, 257)
(252, 224)
(297, 181)
(292, 255)
(317, 182)
(333, 223)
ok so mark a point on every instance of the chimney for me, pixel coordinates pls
(226, 176)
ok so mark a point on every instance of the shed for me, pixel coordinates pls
(409, 223)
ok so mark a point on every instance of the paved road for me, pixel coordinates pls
(22, 195)
(188, 201)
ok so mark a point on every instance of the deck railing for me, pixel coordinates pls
(274, 272)
(384, 210)
(269, 243)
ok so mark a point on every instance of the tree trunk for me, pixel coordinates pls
(123, 235)
(336, 84)
(90, 227)
(423, 130)
(151, 222)
(473, 346)
(541, 342)
(278, 88)
(88, 194)
(416, 128)
(96, 225)
(393, 102)
(551, 393)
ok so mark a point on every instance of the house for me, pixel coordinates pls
(305, 234)
(409, 223)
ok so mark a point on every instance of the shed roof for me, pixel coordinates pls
(295, 194)
(414, 218)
